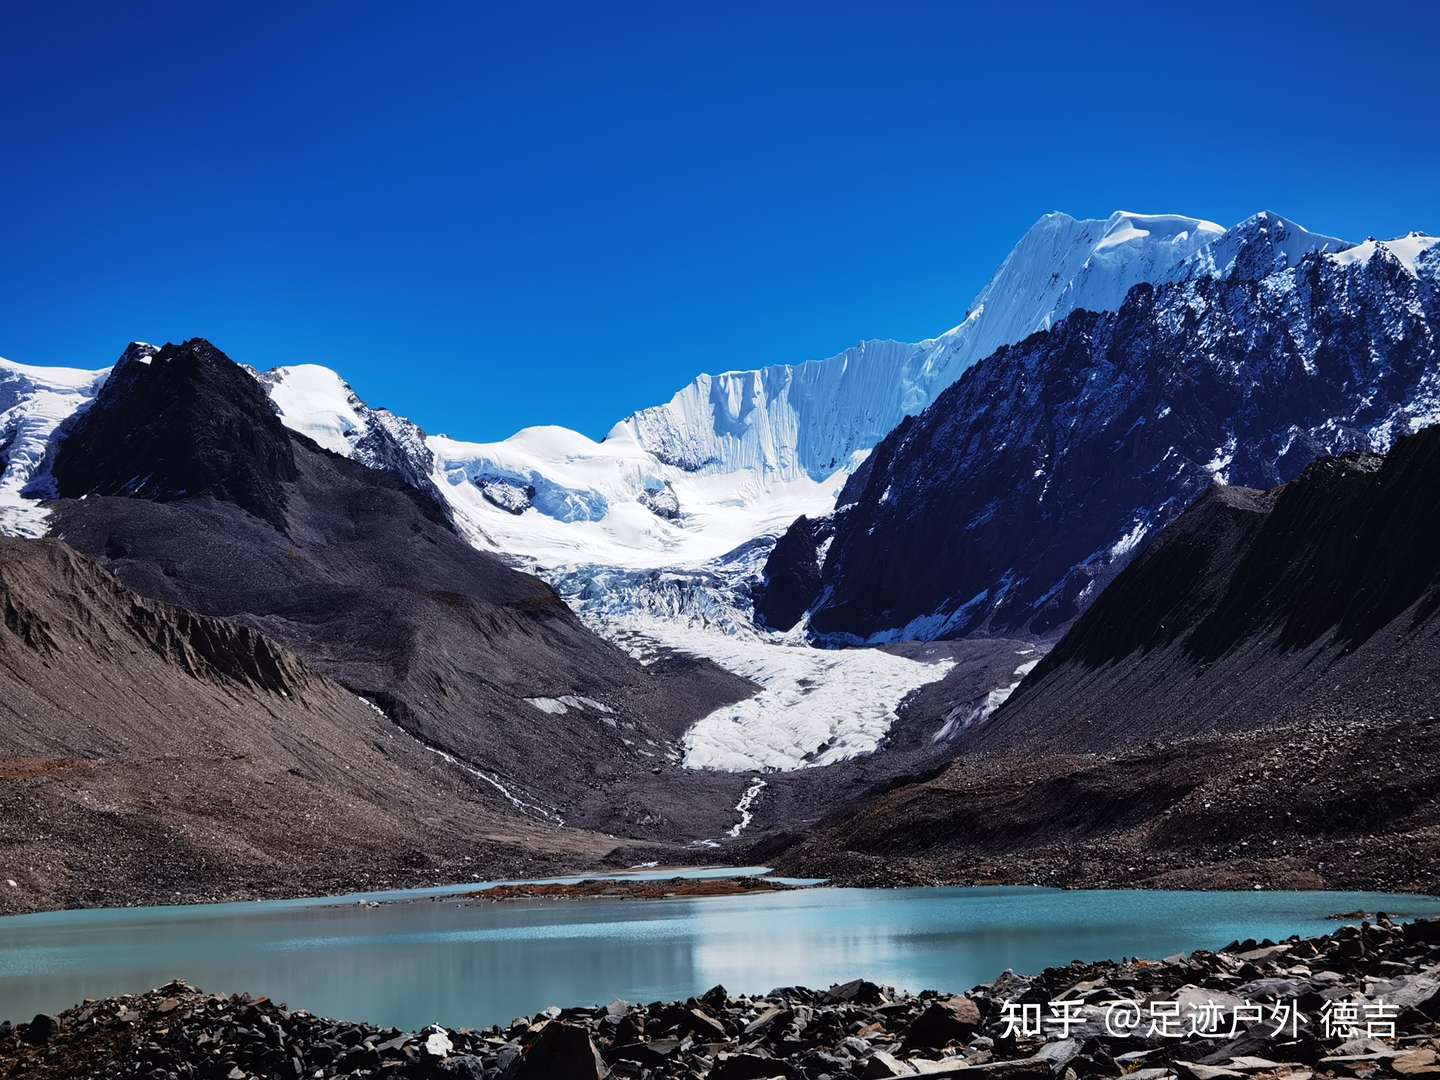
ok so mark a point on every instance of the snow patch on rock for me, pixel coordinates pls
(34, 403)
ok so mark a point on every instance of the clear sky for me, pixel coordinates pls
(487, 220)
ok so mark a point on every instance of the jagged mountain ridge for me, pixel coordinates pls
(739, 455)
(745, 451)
(1007, 504)
(1315, 602)
(1252, 701)
(811, 419)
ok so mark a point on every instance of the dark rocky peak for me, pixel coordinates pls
(1007, 505)
(1259, 246)
(177, 422)
(1331, 557)
(792, 573)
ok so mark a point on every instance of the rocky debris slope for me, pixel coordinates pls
(151, 754)
(1352, 803)
(1311, 603)
(1006, 505)
(1361, 1003)
(183, 481)
(1251, 701)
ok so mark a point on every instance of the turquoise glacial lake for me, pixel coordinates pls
(407, 964)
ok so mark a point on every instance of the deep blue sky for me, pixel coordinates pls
(487, 220)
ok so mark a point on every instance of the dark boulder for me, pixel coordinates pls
(942, 1022)
(40, 1030)
(560, 1052)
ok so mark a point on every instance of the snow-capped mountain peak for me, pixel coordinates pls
(811, 419)
(318, 403)
(1408, 250)
(1257, 247)
(1064, 263)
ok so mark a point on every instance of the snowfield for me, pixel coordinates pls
(591, 502)
(658, 532)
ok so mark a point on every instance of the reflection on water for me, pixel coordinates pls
(475, 964)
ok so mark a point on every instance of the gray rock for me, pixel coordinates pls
(1058, 1054)
(882, 1065)
(461, 1067)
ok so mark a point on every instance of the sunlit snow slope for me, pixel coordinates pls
(34, 402)
(660, 528)
(741, 454)
(811, 419)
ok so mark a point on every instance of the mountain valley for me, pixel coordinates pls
(809, 612)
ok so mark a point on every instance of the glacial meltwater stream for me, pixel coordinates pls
(471, 964)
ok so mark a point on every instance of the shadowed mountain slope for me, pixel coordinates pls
(1008, 504)
(1252, 701)
(1310, 603)
(363, 576)
(150, 753)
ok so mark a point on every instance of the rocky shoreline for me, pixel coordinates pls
(1360, 1003)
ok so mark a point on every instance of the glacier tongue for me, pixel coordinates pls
(814, 707)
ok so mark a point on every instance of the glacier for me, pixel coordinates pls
(657, 532)
(34, 403)
(741, 454)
